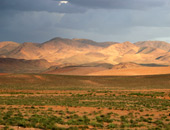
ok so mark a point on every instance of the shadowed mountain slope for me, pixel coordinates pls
(90, 42)
(7, 46)
(126, 65)
(9, 65)
(75, 52)
(75, 70)
(26, 50)
(155, 44)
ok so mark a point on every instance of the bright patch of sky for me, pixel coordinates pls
(62, 2)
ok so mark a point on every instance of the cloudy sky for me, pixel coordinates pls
(99, 20)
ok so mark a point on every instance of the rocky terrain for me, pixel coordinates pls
(79, 54)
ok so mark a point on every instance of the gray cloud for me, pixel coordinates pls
(119, 4)
(39, 5)
(100, 20)
(78, 6)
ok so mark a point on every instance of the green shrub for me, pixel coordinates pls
(111, 125)
(95, 124)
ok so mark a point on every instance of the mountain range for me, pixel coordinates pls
(59, 53)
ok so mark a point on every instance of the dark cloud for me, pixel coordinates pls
(77, 6)
(119, 4)
(100, 20)
(39, 5)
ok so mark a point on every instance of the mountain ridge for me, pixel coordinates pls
(83, 51)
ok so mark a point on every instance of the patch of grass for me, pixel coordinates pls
(112, 109)
(62, 82)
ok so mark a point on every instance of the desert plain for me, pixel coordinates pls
(72, 84)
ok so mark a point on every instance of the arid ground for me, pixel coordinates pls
(52, 102)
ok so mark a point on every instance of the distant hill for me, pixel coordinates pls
(73, 70)
(63, 52)
(83, 69)
(26, 50)
(155, 44)
(9, 65)
(131, 69)
(7, 46)
(126, 65)
(90, 42)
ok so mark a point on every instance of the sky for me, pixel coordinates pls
(99, 20)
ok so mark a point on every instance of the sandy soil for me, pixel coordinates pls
(4, 73)
(134, 71)
(76, 70)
